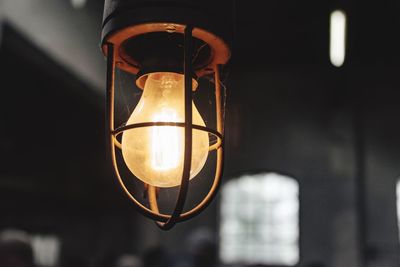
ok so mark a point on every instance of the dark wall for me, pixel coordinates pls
(54, 175)
(380, 94)
(300, 123)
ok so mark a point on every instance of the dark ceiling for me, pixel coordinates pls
(266, 34)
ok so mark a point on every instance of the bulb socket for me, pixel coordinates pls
(142, 76)
(149, 34)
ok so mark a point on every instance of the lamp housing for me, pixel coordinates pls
(167, 46)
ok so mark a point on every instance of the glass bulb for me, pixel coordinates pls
(155, 154)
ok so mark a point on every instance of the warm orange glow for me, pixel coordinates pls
(155, 154)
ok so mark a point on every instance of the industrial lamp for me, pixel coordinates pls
(165, 142)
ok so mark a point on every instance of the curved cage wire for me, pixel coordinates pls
(167, 221)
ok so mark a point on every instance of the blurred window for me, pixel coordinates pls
(46, 250)
(260, 220)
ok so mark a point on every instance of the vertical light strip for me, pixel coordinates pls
(398, 206)
(337, 37)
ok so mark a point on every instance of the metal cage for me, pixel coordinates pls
(219, 55)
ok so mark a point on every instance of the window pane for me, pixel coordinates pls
(46, 250)
(260, 220)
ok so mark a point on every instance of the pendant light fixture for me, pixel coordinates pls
(165, 142)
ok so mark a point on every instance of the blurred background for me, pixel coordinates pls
(312, 142)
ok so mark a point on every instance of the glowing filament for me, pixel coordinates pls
(166, 143)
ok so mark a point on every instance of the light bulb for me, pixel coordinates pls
(155, 154)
